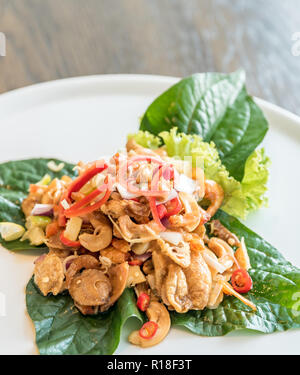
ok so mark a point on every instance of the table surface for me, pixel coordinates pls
(53, 39)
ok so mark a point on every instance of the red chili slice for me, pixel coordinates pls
(153, 207)
(148, 330)
(77, 207)
(79, 211)
(68, 242)
(143, 302)
(173, 207)
(241, 281)
(79, 182)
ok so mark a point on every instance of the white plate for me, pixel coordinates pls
(84, 118)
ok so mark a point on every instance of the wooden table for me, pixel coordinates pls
(52, 39)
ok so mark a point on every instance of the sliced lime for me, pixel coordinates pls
(11, 231)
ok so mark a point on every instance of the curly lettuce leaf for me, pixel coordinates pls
(145, 139)
(240, 197)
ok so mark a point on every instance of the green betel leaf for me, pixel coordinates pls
(276, 286)
(15, 178)
(62, 329)
(217, 108)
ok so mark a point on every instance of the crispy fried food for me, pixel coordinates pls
(135, 276)
(115, 208)
(199, 281)
(176, 289)
(116, 256)
(132, 231)
(180, 254)
(160, 263)
(49, 274)
(121, 245)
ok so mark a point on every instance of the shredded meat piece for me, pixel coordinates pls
(139, 211)
(116, 256)
(132, 231)
(49, 274)
(114, 208)
(121, 245)
(116, 233)
(218, 230)
(90, 288)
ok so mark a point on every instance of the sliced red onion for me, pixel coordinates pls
(42, 210)
(165, 222)
(67, 262)
(185, 184)
(124, 193)
(172, 237)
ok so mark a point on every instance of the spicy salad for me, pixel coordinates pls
(134, 221)
(153, 232)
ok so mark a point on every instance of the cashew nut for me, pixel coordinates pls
(101, 237)
(118, 277)
(157, 313)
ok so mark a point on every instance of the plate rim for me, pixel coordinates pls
(265, 105)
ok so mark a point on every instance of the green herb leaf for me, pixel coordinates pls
(217, 108)
(62, 329)
(276, 284)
